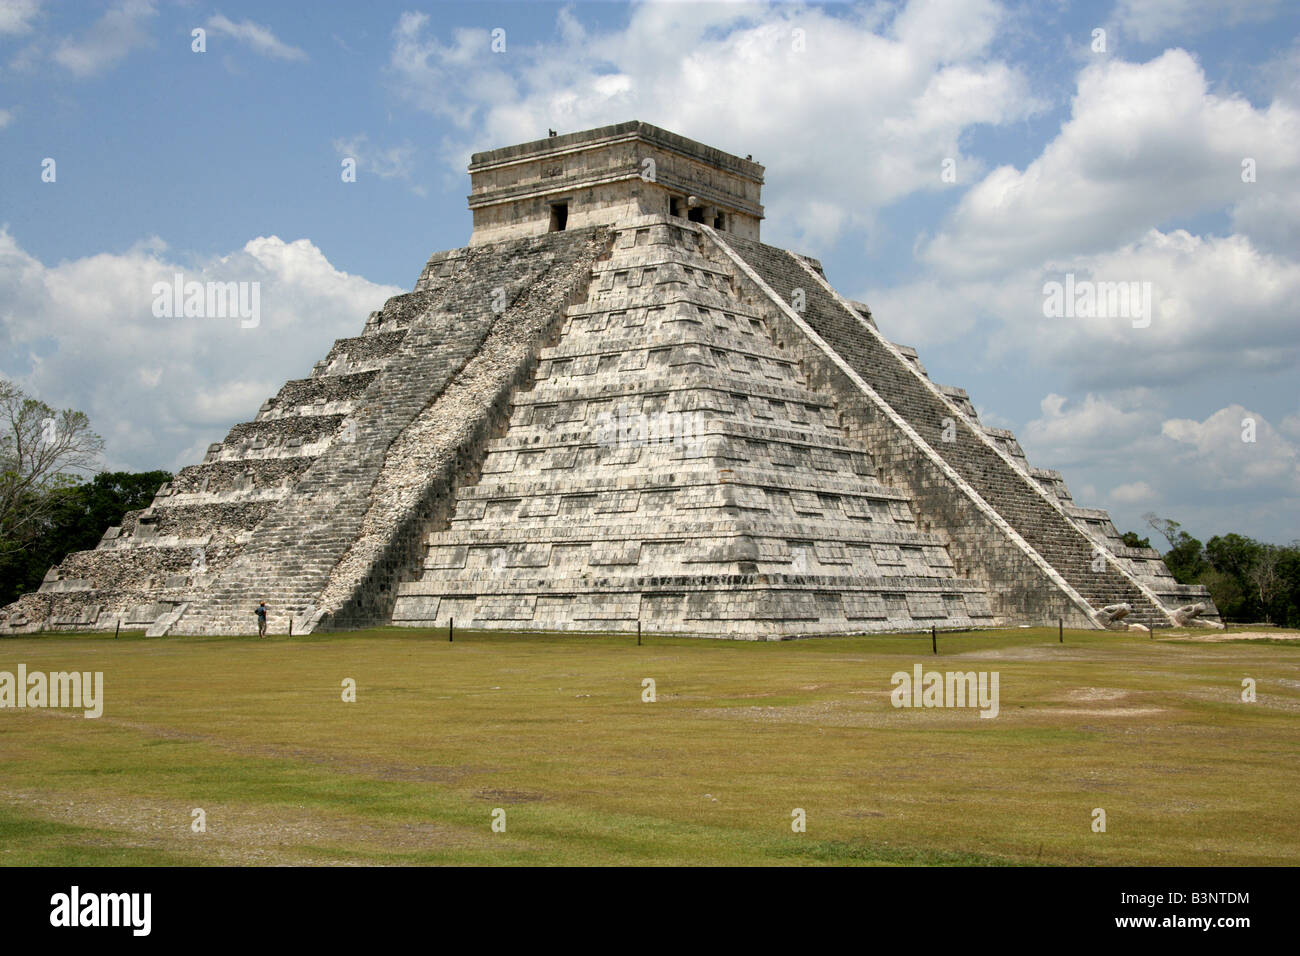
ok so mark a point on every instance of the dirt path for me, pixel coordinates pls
(237, 835)
(1214, 637)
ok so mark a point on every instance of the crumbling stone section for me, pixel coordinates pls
(97, 590)
(322, 390)
(360, 354)
(441, 267)
(511, 288)
(231, 477)
(161, 558)
(299, 429)
(208, 519)
(144, 570)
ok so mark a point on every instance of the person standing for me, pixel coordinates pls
(261, 620)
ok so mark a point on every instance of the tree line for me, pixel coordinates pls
(1250, 581)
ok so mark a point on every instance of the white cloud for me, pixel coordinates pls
(1098, 430)
(1145, 143)
(1290, 425)
(1281, 74)
(890, 101)
(1271, 218)
(16, 16)
(1199, 472)
(6, 117)
(1151, 20)
(1133, 493)
(930, 310)
(258, 38)
(113, 36)
(1218, 304)
(1220, 457)
(82, 334)
(393, 162)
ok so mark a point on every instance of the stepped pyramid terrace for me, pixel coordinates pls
(614, 405)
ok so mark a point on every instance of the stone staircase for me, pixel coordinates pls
(1090, 570)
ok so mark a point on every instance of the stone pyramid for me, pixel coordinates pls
(614, 406)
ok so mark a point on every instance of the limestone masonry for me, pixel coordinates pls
(614, 405)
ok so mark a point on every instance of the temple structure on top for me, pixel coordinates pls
(615, 406)
(602, 176)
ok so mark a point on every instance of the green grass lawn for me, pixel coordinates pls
(553, 730)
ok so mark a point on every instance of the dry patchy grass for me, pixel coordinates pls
(553, 730)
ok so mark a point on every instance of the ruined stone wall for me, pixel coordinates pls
(161, 557)
(341, 536)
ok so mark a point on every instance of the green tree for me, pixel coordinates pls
(1233, 554)
(41, 452)
(1265, 578)
(1131, 540)
(1233, 599)
(1285, 610)
(1185, 557)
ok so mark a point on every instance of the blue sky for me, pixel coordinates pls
(1122, 164)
